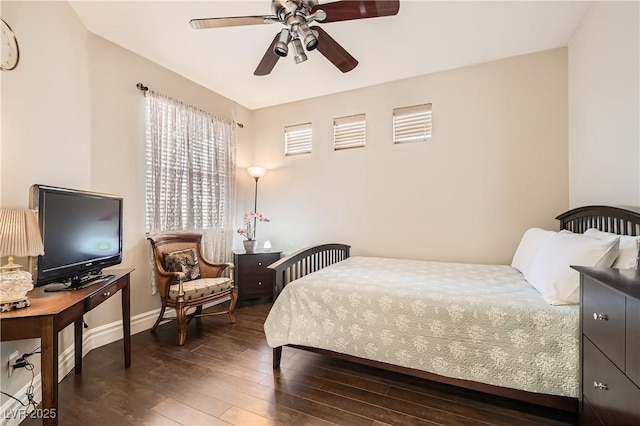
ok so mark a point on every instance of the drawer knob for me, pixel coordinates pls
(259, 263)
(108, 293)
(600, 317)
(259, 282)
(600, 386)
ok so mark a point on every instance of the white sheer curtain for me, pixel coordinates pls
(190, 173)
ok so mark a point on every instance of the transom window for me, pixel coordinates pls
(412, 124)
(297, 139)
(349, 132)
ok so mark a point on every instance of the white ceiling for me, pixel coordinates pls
(425, 37)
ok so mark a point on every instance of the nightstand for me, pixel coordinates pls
(610, 346)
(252, 277)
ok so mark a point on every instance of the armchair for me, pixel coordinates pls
(186, 279)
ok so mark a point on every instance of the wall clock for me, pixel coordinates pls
(9, 46)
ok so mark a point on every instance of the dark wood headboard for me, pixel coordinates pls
(617, 220)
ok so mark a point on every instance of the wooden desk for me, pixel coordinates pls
(49, 313)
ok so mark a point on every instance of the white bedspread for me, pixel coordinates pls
(475, 322)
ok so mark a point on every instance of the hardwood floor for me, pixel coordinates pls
(223, 375)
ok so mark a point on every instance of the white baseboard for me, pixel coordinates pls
(13, 412)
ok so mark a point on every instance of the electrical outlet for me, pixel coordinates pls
(12, 361)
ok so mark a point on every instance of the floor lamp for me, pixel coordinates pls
(256, 173)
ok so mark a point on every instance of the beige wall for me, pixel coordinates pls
(497, 164)
(72, 117)
(604, 105)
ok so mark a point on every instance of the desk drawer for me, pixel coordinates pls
(616, 401)
(100, 296)
(603, 319)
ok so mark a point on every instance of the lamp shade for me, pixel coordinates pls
(256, 172)
(20, 233)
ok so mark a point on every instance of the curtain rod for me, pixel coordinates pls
(141, 87)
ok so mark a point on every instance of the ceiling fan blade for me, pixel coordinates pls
(268, 60)
(357, 9)
(199, 24)
(332, 50)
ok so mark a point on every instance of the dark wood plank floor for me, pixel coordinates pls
(223, 375)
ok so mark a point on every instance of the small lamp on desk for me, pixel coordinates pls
(19, 236)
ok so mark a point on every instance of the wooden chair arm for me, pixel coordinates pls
(214, 270)
(165, 279)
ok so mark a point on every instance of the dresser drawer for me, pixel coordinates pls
(589, 416)
(256, 285)
(603, 319)
(632, 368)
(100, 296)
(254, 279)
(613, 396)
(251, 264)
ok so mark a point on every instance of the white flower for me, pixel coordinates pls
(437, 328)
(498, 356)
(385, 303)
(457, 349)
(249, 231)
(356, 331)
(402, 322)
(455, 312)
(496, 316)
(387, 338)
(370, 317)
(476, 333)
(519, 338)
(342, 344)
(418, 307)
(341, 313)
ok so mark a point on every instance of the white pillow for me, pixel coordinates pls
(611, 254)
(550, 272)
(528, 247)
(628, 256)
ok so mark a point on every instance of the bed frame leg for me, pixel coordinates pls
(277, 356)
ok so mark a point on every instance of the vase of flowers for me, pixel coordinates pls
(249, 230)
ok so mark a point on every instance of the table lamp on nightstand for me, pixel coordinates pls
(19, 236)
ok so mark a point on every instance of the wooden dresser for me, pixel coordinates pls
(253, 277)
(610, 346)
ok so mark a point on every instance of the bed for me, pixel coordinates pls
(481, 327)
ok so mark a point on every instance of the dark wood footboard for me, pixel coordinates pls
(306, 261)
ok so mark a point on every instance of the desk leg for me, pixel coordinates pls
(77, 332)
(126, 323)
(49, 359)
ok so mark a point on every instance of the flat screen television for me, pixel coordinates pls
(81, 232)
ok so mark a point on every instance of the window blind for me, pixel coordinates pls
(297, 139)
(349, 132)
(190, 165)
(412, 124)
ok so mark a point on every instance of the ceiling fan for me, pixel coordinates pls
(296, 16)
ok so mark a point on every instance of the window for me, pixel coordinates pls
(412, 124)
(297, 139)
(190, 166)
(349, 132)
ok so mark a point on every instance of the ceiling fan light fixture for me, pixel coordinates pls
(298, 51)
(281, 48)
(310, 39)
